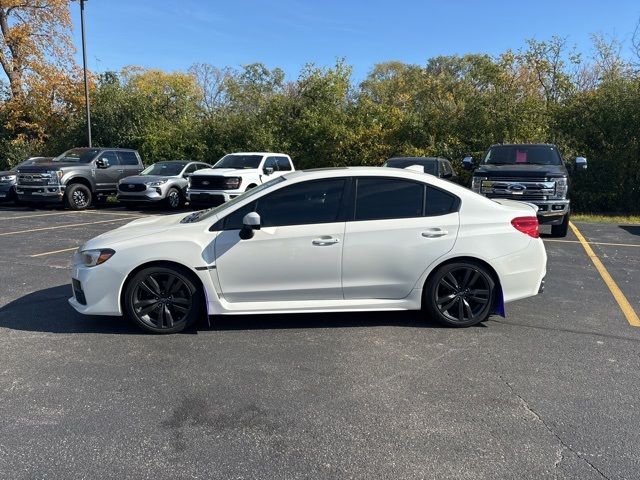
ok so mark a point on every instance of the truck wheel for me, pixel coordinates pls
(561, 230)
(77, 197)
(460, 294)
(173, 199)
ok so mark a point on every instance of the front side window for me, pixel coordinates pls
(384, 198)
(271, 162)
(111, 157)
(191, 168)
(304, 203)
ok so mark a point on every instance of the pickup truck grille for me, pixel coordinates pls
(33, 179)
(531, 189)
(207, 182)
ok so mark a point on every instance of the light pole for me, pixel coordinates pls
(84, 68)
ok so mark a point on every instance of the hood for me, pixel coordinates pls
(146, 178)
(521, 170)
(152, 225)
(226, 172)
(7, 172)
(48, 166)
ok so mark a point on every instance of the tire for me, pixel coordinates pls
(561, 230)
(77, 197)
(460, 294)
(173, 200)
(151, 299)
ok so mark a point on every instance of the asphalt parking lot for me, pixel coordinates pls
(551, 391)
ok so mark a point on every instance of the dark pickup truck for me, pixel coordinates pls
(77, 177)
(532, 173)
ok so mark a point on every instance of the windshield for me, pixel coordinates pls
(239, 161)
(203, 214)
(522, 154)
(77, 155)
(430, 166)
(166, 169)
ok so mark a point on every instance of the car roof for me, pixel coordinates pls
(258, 153)
(524, 145)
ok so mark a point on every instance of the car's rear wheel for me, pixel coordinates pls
(173, 199)
(163, 299)
(77, 197)
(460, 294)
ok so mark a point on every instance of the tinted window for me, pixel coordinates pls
(112, 157)
(191, 168)
(128, 158)
(284, 165)
(233, 221)
(440, 202)
(77, 155)
(239, 161)
(518, 154)
(271, 162)
(380, 198)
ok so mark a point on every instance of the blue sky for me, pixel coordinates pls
(173, 35)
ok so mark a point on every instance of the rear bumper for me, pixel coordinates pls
(522, 273)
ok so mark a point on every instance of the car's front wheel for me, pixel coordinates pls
(163, 299)
(173, 199)
(77, 197)
(460, 294)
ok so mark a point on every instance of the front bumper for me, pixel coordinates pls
(552, 212)
(41, 193)
(5, 190)
(96, 290)
(211, 197)
(151, 194)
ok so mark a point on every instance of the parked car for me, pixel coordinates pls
(533, 173)
(440, 167)
(234, 174)
(8, 179)
(345, 239)
(164, 182)
(77, 177)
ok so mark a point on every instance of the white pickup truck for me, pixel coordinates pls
(233, 175)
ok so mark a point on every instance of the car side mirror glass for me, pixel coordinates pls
(581, 163)
(102, 163)
(467, 163)
(268, 170)
(250, 222)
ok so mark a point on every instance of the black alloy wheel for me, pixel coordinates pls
(460, 294)
(77, 197)
(163, 299)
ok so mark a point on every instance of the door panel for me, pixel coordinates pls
(297, 262)
(107, 178)
(385, 258)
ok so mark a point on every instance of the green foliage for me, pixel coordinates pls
(451, 106)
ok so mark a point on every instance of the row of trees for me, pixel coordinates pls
(451, 106)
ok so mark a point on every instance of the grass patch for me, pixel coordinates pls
(604, 218)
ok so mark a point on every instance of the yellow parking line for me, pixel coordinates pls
(64, 226)
(54, 251)
(606, 244)
(625, 306)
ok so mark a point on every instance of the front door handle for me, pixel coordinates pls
(325, 240)
(434, 233)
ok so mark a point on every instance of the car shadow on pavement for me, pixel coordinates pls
(48, 311)
(632, 229)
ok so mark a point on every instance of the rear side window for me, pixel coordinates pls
(284, 165)
(128, 158)
(383, 198)
(439, 202)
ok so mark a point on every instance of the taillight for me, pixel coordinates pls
(527, 225)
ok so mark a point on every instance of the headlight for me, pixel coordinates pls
(91, 258)
(155, 183)
(7, 178)
(476, 184)
(232, 183)
(55, 176)
(562, 185)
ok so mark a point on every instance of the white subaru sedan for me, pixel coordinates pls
(327, 240)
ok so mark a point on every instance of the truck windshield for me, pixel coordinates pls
(429, 166)
(522, 154)
(164, 168)
(239, 161)
(203, 214)
(77, 155)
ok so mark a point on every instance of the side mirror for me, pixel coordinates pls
(102, 163)
(268, 170)
(581, 164)
(467, 163)
(250, 222)
(186, 175)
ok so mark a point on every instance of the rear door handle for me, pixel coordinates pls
(325, 240)
(434, 233)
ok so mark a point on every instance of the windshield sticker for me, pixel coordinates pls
(521, 157)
